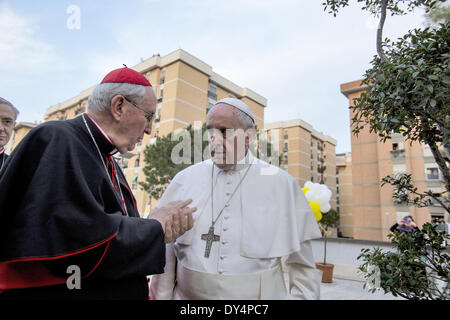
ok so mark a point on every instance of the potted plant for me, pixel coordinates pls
(329, 220)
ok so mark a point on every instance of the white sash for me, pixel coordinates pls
(195, 285)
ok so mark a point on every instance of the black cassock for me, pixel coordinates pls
(59, 208)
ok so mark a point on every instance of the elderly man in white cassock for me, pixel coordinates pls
(250, 215)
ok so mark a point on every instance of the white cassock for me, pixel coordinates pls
(267, 218)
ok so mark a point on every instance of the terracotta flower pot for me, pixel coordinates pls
(327, 272)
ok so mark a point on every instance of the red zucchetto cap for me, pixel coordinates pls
(126, 75)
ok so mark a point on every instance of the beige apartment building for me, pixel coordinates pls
(186, 88)
(373, 210)
(344, 188)
(306, 154)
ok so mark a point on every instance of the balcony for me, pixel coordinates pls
(398, 154)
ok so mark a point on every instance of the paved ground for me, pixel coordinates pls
(342, 289)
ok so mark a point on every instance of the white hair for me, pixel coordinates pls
(14, 109)
(100, 99)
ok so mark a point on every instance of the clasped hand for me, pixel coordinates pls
(175, 218)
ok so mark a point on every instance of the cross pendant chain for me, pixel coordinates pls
(209, 238)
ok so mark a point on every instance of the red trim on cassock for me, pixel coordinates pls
(30, 272)
(132, 201)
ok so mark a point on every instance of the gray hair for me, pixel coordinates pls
(14, 109)
(100, 99)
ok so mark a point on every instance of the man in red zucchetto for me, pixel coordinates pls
(66, 208)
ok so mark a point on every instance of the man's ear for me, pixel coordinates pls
(117, 104)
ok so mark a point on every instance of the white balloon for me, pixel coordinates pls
(315, 188)
(308, 184)
(309, 195)
(325, 208)
(324, 198)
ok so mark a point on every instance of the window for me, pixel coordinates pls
(212, 92)
(432, 174)
(158, 114)
(134, 182)
(136, 163)
(161, 93)
(122, 162)
(163, 76)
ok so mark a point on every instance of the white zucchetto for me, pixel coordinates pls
(239, 104)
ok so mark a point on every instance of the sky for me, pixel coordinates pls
(291, 52)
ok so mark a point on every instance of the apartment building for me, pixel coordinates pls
(306, 154)
(373, 208)
(186, 88)
(344, 193)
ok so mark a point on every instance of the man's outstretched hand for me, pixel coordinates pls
(175, 218)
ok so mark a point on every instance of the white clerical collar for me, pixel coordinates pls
(104, 134)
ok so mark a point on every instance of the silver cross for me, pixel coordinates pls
(209, 238)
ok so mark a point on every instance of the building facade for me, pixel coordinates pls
(186, 88)
(344, 193)
(306, 154)
(373, 208)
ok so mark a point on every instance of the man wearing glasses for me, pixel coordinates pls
(70, 226)
(8, 117)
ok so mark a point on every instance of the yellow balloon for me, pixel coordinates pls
(315, 207)
(305, 189)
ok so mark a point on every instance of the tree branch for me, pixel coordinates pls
(380, 31)
(441, 163)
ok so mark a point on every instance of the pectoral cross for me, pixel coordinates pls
(209, 237)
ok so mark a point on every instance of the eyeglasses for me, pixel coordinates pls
(148, 115)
